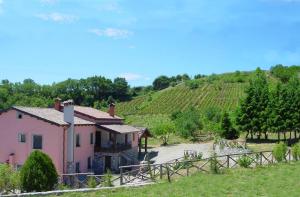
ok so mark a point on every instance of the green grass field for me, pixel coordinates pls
(276, 180)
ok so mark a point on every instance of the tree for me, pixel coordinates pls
(38, 173)
(188, 123)
(227, 130)
(252, 114)
(163, 130)
(9, 179)
(161, 82)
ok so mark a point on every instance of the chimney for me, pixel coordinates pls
(69, 118)
(69, 111)
(57, 104)
(111, 109)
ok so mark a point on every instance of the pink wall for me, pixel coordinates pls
(11, 126)
(86, 149)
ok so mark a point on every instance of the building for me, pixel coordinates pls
(78, 139)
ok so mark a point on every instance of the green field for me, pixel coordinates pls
(276, 180)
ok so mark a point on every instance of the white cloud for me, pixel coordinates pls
(112, 32)
(132, 46)
(57, 17)
(131, 76)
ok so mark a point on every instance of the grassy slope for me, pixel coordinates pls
(277, 180)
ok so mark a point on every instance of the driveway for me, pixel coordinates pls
(166, 153)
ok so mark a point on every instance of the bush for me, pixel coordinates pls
(38, 173)
(279, 151)
(227, 130)
(108, 179)
(244, 161)
(163, 130)
(192, 84)
(296, 151)
(214, 165)
(188, 123)
(92, 183)
(9, 179)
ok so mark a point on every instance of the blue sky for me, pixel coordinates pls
(52, 40)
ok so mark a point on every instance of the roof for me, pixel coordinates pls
(50, 115)
(94, 113)
(121, 128)
(144, 132)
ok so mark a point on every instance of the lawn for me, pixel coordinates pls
(276, 180)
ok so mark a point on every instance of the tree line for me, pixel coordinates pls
(92, 91)
(271, 108)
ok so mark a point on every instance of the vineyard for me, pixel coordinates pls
(225, 96)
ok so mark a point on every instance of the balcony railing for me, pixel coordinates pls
(112, 149)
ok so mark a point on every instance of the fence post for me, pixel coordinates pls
(227, 156)
(121, 176)
(289, 152)
(187, 170)
(168, 173)
(160, 171)
(261, 156)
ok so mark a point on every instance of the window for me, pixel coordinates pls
(77, 140)
(37, 142)
(89, 163)
(92, 138)
(22, 137)
(77, 167)
(19, 115)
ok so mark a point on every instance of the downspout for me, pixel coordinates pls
(64, 144)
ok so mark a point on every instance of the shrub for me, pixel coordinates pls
(38, 173)
(244, 161)
(9, 179)
(163, 130)
(108, 179)
(228, 131)
(296, 151)
(92, 183)
(214, 165)
(188, 123)
(192, 84)
(279, 151)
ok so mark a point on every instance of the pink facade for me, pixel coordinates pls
(53, 140)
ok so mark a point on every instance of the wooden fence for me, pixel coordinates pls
(146, 173)
(184, 166)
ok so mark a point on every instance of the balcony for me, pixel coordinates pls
(113, 149)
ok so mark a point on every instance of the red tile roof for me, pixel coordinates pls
(51, 115)
(94, 113)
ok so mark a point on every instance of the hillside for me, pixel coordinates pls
(225, 96)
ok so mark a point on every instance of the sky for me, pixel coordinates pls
(52, 40)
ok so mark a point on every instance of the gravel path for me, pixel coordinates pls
(166, 153)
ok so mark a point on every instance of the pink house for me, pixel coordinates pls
(78, 139)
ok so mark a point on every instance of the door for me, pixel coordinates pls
(107, 163)
(98, 139)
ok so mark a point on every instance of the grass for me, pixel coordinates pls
(276, 180)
